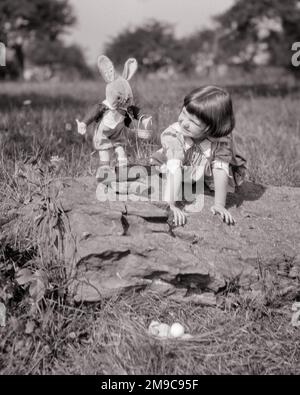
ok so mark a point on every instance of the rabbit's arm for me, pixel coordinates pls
(133, 112)
(94, 114)
(136, 113)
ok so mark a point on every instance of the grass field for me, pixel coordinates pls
(241, 337)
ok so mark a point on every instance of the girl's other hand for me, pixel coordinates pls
(179, 217)
(225, 214)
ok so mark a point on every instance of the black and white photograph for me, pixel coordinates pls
(149, 190)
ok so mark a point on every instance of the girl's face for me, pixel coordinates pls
(191, 125)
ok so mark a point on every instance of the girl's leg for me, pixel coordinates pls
(197, 205)
(193, 192)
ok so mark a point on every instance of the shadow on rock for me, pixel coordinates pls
(249, 191)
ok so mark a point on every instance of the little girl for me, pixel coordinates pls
(201, 140)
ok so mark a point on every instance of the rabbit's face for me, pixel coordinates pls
(118, 91)
(119, 94)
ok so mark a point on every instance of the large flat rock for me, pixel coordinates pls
(116, 245)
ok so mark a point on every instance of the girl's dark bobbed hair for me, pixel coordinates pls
(213, 106)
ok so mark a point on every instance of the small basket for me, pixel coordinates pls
(144, 134)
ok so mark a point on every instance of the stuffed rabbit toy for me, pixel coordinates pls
(114, 114)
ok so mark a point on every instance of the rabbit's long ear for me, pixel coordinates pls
(106, 68)
(130, 68)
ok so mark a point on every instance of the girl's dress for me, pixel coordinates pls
(198, 158)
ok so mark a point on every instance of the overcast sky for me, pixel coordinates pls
(99, 20)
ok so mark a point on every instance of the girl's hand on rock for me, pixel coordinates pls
(225, 214)
(179, 217)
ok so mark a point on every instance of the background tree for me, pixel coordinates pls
(153, 45)
(23, 22)
(259, 31)
(55, 55)
(201, 50)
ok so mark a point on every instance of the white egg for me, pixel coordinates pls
(164, 330)
(176, 330)
(154, 328)
(159, 329)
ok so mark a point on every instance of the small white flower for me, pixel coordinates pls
(68, 127)
(7, 26)
(2, 314)
(56, 159)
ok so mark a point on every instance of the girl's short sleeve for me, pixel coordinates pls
(223, 151)
(172, 145)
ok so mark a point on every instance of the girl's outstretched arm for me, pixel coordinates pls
(221, 182)
(174, 151)
(173, 189)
